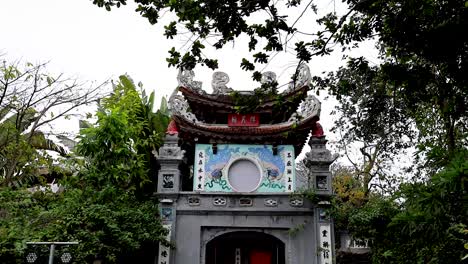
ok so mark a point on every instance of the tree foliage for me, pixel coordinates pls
(432, 226)
(109, 224)
(225, 22)
(415, 97)
(107, 207)
(124, 156)
(30, 100)
(363, 214)
(424, 222)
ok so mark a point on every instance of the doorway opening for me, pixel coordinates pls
(245, 247)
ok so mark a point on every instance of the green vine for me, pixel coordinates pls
(248, 103)
(310, 195)
(296, 229)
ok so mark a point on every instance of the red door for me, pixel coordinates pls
(260, 257)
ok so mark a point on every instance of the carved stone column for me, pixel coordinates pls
(169, 184)
(318, 160)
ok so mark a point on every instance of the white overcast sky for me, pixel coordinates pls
(82, 40)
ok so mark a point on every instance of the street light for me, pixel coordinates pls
(66, 257)
(31, 257)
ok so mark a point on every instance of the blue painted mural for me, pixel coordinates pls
(210, 170)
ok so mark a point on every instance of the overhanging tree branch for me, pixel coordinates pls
(33, 100)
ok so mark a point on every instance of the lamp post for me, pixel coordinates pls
(65, 258)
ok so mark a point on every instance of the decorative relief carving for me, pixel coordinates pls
(268, 77)
(311, 106)
(323, 215)
(219, 201)
(193, 201)
(321, 182)
(170, 149)
(294, 118)
(179, 106)
(185, 79)
(171, 152)
(245, 202)
(166, 214)
(271, 202)
(296, 202)
(268, 81)
(168, 181)
(318, 152)
(302, 79)
(219, 83)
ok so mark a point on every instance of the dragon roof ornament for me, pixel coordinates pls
(185, 79)
(220, 80)
(179, 106)
(219, 83)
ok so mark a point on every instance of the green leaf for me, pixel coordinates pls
(50, 80)
(163, 108)
(247, 65)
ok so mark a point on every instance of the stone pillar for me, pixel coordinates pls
(169, 184)
(318, 160)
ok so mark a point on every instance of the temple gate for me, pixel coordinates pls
(228, 188)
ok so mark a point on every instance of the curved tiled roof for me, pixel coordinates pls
(224, 103)
(294, 133)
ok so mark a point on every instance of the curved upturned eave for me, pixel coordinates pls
(293, 133)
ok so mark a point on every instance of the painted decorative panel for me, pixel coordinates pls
(212, 171)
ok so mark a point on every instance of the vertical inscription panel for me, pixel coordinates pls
(164, 251)
(290, 169)
(325, 246)
(199, 170)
